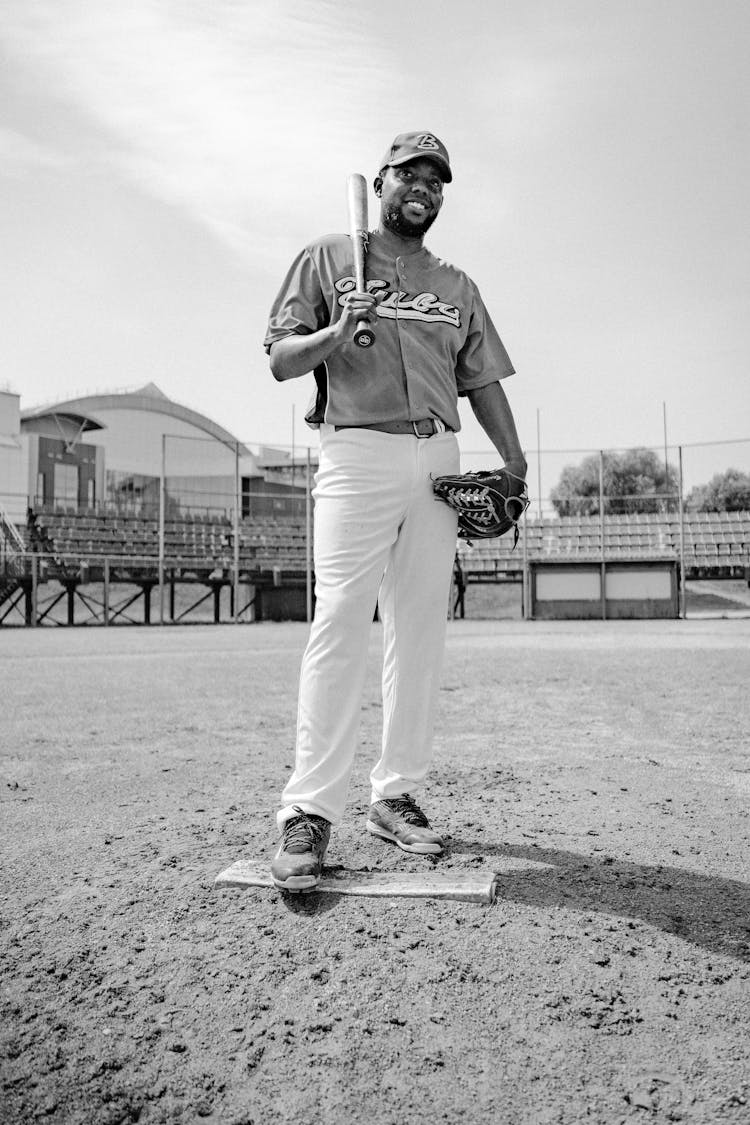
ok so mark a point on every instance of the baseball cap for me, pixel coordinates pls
(412, 146)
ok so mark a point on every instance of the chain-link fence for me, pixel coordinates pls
(638, 479)
(237, 517)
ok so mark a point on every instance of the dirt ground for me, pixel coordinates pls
(602, 769)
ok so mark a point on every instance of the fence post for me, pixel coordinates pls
(162, 523)
(539, 464)
(34, 589)
(525, 585)
(680, 507)
(308, 541)
(105, 596)
(603, 562)
(236, 536)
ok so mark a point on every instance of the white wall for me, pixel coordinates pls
(13, 497)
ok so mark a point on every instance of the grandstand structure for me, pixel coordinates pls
(129, 508)
(261, 566)
(648, 557)
(707, 544)
(131, 492)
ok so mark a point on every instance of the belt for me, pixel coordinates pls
(422, 428)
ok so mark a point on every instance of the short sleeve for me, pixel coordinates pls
(300, 307)
(483, 358)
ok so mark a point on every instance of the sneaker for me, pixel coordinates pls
(401, 820)
(298, 863)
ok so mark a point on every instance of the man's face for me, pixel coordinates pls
(411, 196)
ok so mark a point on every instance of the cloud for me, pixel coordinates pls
(216, 108)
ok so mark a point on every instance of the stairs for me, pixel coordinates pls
(13, 558)
(8, 587)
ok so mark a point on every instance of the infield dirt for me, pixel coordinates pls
(602, 769)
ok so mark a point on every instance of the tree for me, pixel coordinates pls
(636, 480)
(725, 492)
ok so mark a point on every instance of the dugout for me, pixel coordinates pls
(588, 590)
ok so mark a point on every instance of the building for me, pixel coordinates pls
(113, 448)
(13, 471)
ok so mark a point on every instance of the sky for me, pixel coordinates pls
(162, 161)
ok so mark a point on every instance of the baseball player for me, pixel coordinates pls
(387, 418)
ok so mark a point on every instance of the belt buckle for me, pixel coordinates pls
(438, 427)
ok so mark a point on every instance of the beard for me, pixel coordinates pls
(395, 221)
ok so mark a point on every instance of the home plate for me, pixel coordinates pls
(479, 887)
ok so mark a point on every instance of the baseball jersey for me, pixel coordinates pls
(434, 337)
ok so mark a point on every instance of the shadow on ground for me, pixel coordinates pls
(709, 911)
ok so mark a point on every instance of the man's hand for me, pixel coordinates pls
(295, 355)
(488, 503)
(517, 492)
(356, 307)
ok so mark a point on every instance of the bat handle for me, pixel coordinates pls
(364, 337)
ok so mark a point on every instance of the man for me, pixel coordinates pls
(388, 416)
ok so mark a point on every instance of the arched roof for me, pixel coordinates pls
(83, 422)
(148, 398)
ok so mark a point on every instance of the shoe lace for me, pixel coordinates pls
(305, 829)
(408, 808)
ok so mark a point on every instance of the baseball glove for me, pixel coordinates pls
(488, 503)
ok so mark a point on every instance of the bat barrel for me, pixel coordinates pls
(364, 337)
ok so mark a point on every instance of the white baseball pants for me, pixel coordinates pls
(381, 538)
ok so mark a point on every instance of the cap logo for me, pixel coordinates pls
(427, 141)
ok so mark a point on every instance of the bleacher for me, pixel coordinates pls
(714, 544)
(75, 549)
(196, 545)
(87, 555)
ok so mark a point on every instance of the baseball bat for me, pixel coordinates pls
(364, 337)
